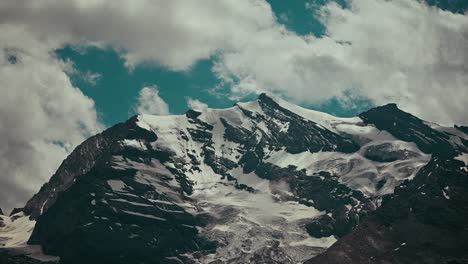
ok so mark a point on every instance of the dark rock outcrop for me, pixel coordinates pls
(409, 128)
(109, 215)
(8, 257)
(344, 207)
(81, 161)
(386, 153)
(425, 221)
(302, 134)
(16, 210)
(144, 226)
(463, 129)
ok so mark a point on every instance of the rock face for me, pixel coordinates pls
(2, 224)
(464, 129)
(80, 162)
(425, 220)
(387, 153)
(261, 182)
(8, 258)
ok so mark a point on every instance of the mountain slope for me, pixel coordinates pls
(263, 181)
(425, 220)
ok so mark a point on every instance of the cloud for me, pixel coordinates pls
(389, 51)
(407, 52)
(91, 77)
(196, 104)
(173, 33)
(42, 116)
(149, 102)
(87, 76)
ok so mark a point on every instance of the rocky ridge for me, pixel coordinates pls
(263, 181)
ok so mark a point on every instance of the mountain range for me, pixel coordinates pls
(265, 181)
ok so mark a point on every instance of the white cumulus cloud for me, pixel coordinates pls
(42, 116)
(173, 33)
(387, 50)
(196, 104)
(149, 102)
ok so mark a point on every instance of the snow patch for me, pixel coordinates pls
(315, 242)
(249, 222)
(137, 144)
(16, 230)
(326, 120)
(117, 185)
(463, 157)
(446, 195)
(144, 215)
(354, 170)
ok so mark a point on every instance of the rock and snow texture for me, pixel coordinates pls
(463, 157)
(263, 181)
(15, 230)
(425, 221)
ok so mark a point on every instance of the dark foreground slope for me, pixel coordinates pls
(426, 219)
(106, 216)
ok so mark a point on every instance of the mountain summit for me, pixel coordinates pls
(260, 182)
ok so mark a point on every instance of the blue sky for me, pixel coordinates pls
(116, 91)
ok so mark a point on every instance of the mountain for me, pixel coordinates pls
(425, 220)
(260, 182)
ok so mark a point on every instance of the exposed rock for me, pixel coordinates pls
(386, 152)
(25, 256)
(7, 258)
(409, 128)
(16, 210)
(106, 189)
(109, 226)
(464, 129)
(81, 161)
(261, 182)
(425, 221)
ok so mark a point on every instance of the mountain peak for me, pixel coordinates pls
(271, 98)
(192, 113)
(263, 96)
(390, 105)
(387, 109)
(410, 128)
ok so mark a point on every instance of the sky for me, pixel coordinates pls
(70, 69)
